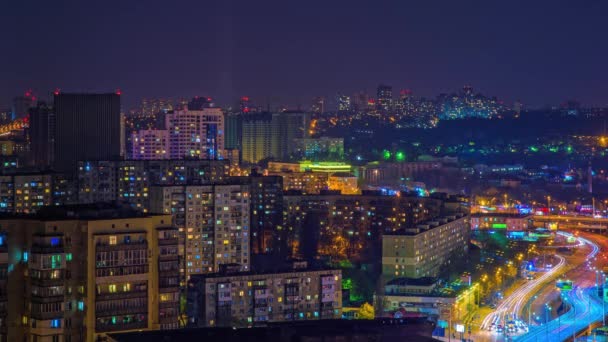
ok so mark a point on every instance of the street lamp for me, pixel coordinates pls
(530, 311)
(547, 310)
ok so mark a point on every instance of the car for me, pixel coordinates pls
(499, 328)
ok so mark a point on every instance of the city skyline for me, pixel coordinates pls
(540, 53)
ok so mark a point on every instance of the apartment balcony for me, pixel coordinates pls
(121, 311)
(47, 249)
(45, 282)
(168, 257)
(168, 319)
(121, 295)
(100, 327)
(122, 246)
(43, 316)
(48, 299)
(168, 305)
(170, 241)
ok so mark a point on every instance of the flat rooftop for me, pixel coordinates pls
(94, 211)
(406, 329)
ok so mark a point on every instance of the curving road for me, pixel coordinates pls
(586, 307)
(513, 304)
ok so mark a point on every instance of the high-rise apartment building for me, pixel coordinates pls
(344, 103)
(42, 135)
(26, 193)
(129, 181)
(196, 133)
(150, 144)
(76, 273)
(318, 105)
(385, 98)
(266, 210)
(87, 127)
(272, 135)
(234, 130)
(213, 221)
(22, 104)
(257, 137)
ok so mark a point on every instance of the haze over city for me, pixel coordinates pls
(303, 171)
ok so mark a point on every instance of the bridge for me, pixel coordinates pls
(586, 223)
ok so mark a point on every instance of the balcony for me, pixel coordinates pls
(118, 271)
(167, 320)
(100, 327)
(47, 299)
(43, 316)
(121, 310)
(123, 246)
(170, 241)
(47, 249)
(168, 305)
(43, 282)
(121, 295)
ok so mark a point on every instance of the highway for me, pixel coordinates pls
(582, 305)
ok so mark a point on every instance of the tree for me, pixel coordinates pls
(366, 311)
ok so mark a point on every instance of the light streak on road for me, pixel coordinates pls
(512, 304)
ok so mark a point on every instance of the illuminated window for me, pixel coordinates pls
(126, 287)
(68, 257)
(80, 305)
(112, 288)
(112, 239)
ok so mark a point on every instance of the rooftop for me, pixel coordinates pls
(428, 225)
(95, 211)
(412, 329)
(506, 215)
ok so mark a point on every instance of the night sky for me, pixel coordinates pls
(541, 52)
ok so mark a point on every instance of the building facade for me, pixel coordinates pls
(243, 300)
(87, 127)
(129, 181)
(150, 144)
(422, 251)
(196, 133)
(83, 272)
(213, 221)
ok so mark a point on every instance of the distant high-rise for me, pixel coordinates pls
(245, 105)
(344, 103)
(42, 135)
(87, 128)
(200, 102)
(359, 101)
(196, 133)
(150, 144)
(318, 105)
(272, 135)
(385, 97)
(234, 130)
(22, 104)
(256, 137)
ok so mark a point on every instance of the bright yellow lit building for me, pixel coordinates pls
(76, 273)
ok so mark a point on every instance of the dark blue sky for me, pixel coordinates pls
(541, 52)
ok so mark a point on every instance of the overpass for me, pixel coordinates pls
(592, 224)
